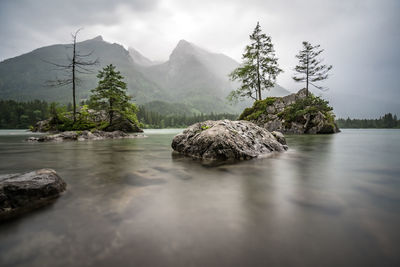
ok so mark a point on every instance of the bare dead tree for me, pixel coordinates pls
(78, 63)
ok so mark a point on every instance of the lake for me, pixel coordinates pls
(330, 200)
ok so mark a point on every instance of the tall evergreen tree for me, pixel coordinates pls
(259, 68)
(310, 68)
(110, 94)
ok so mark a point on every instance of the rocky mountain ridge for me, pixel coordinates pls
(192, 76)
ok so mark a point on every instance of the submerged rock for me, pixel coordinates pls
(83, 135)
(22, 192)
(225, 140)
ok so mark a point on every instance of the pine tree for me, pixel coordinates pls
(110, 94)
(310, 68)
(259, 68)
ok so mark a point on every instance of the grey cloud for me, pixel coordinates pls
(45, 12)
(47, 15)
(25, 23)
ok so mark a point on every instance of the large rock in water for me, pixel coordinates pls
(20, 193)
(293, 114)
(225, 139)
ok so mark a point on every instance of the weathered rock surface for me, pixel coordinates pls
(308, 123)
(123, 125)
(225, 140)
(23, 192)
(83, 135)
(44, 126)
(279, 137)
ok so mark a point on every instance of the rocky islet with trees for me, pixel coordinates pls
(300, 113)
(108, 109)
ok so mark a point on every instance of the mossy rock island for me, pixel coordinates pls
(293, 114)
(90, 125)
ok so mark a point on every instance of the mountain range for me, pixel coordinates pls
(192, 77)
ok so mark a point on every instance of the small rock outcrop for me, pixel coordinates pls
(83, 135)
(226, 140)
(23, 192)
(44, 126)
(123, 125)
(293, 114)
(88, 119)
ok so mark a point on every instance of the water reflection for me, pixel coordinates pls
(132, 202)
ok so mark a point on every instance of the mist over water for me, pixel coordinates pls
(331, 200)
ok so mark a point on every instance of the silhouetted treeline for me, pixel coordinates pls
(155, 120)
(21, 115)
(386, 121)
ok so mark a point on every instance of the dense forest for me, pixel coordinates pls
(155, 120)
(21, 115)
(386, 121)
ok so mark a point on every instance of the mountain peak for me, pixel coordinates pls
(183, 43)
(98, 38)
(184, 48)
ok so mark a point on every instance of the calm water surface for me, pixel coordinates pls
(329, 201)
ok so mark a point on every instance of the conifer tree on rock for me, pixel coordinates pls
(259, 68)
(310, 69)
(111, 95)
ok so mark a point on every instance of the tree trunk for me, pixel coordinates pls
(307, 77)
(111, 113)
(258, 76)
(73, 78)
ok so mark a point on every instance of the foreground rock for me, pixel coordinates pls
(225, 140)
(293, 114)
(83, 135)
(21, 193)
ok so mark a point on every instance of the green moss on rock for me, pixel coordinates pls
(296, 114)
(259, 107)
(310, 105)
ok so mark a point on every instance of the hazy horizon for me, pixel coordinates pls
(360, 38)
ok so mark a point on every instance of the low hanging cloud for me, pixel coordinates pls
(360, 38)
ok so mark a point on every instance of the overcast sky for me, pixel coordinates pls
(361, 38)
